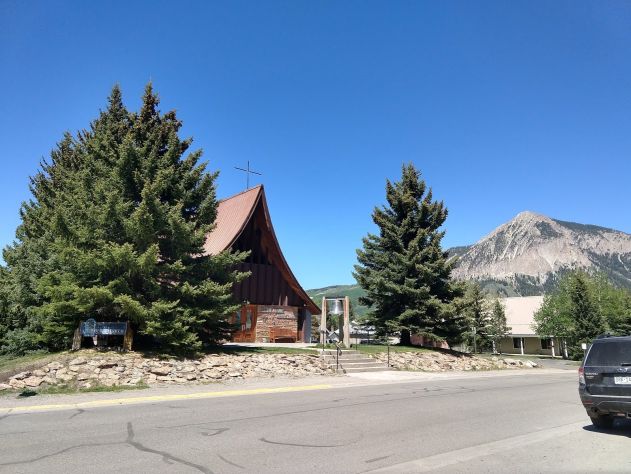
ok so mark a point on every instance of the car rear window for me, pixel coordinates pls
(609, 353)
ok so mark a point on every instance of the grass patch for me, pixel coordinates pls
(228, 350)
(27, 392)
(63, 389)
(11, 365)
(241, 350)
(375, 349)
(487, 355)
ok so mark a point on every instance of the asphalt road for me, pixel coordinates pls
(527, 423)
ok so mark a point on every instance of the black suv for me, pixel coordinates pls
(604, 380)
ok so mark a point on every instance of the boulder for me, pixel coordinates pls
(4, 386)
(14, 383)
(21, 375)
(33, 381)
(78, 361)
(106, 364)
(162, 370)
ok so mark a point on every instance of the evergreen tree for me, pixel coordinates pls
(498, 327)
(115, 231)
(554, 317)
(404, 270)
(580, 308)
(588, 322)
(614, 305)
(478, 315)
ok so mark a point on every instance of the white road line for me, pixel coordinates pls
(450, 458)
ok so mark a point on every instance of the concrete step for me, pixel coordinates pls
(347, 353)
(347, 359)
(351, 361)
(351, 370)
(359, 363)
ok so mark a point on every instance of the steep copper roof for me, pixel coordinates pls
(233, 215)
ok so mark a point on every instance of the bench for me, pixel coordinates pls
(284, 334)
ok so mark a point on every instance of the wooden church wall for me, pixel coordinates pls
(265, 285)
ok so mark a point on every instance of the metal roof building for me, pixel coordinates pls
(275, 306)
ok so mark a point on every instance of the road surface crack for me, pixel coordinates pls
(229, 462)
(6, 414)
(216, 431)
(57, 453)
(166, 457)
(79, 412)
(304, 445)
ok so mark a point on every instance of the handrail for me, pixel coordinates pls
(338, 353)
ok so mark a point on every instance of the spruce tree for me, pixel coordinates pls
(498, 327)
(404, 270)
(584, 311)
(116, 229)
(478, 315)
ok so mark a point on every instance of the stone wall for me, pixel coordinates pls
(434, 361)
(89, 368)
(268, 316)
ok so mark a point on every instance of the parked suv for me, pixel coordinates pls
(604, 380)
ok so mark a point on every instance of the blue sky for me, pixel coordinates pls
(504, 106)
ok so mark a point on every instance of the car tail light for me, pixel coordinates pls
(581, 375)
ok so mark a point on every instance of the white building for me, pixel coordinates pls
(520, 313)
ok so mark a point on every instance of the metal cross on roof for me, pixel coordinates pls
(248, 171)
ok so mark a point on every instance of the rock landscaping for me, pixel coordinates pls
(89, 369)
(442, 362)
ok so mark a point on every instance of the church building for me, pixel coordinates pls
(275, 307)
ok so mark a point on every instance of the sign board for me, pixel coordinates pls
(88, 328)
(91, 328)
(111, 329)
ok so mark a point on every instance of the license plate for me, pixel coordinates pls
(622, 380)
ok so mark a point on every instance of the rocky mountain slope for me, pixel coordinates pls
(528, 254)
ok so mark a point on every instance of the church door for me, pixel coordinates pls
(247, 319)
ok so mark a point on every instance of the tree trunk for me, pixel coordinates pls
(405, 337)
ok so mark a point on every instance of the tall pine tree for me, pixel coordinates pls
(588, 322)
(115, 231)
(498, 327)
(476, 308)
(404, 270)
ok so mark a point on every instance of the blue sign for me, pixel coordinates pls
(91, 328)
(88, 328)
(111, 329)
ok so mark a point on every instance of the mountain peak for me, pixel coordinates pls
(528, 253)
(529, 215)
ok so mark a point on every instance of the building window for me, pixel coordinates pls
(546, 343)
(248, 320)
(517, 343)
